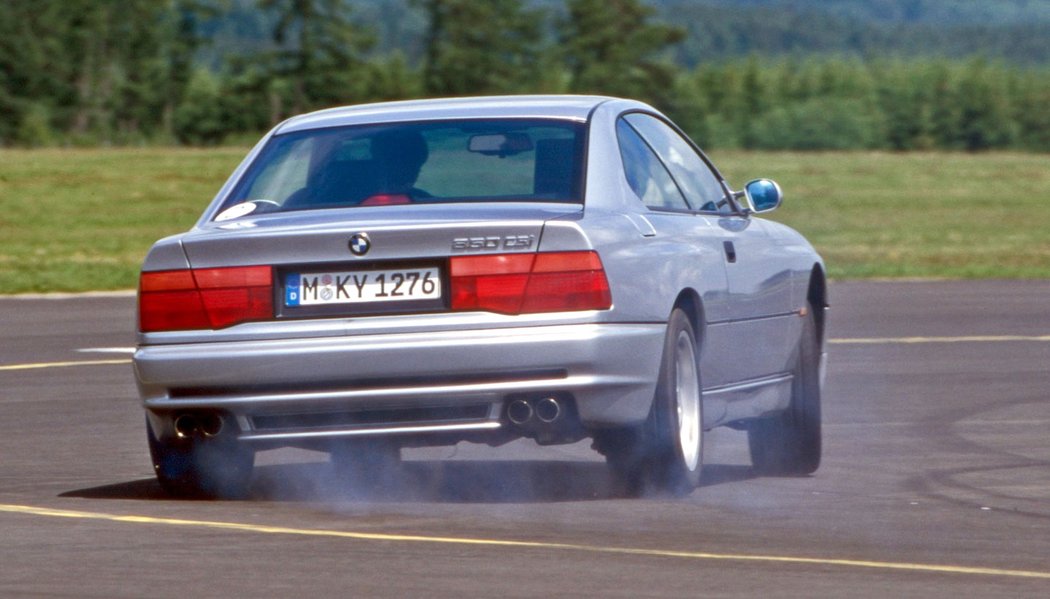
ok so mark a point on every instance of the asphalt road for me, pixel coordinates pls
(935, 483)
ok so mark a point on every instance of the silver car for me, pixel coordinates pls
(481, 269)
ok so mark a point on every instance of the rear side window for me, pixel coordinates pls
(697, 181)
(646, 175)
(440, 162)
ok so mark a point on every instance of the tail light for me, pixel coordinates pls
(529, 283)
(204, 298)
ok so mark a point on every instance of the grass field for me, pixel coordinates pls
(73, 220)
(913, 215)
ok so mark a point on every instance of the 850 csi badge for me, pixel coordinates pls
(507, 242)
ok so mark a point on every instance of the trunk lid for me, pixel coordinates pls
(396, 233)
(393, 259)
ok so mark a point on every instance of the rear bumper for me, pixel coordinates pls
(608, 369)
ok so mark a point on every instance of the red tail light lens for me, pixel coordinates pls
(530, 283)
(209, 298)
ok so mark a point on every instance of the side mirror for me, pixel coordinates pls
(764, 195)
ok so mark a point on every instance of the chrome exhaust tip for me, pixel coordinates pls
(519, 411)
(186, 425)
(207, 424)
(210, 424)
(548, 410)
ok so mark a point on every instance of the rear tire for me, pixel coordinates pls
(789, 444)
(201, 468)
(664, 455)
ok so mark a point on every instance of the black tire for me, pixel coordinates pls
(665, 454)
(789, 444)
(200, 467)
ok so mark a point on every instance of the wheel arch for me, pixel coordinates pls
(690, 303)
(817, 296)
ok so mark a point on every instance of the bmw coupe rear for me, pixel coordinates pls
(418, 273)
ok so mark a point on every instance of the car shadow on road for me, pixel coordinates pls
(435, 481)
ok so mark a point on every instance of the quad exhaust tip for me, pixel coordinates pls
(546, 410)
(519, 412)
(206, 424)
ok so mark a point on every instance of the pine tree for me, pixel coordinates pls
(491, 47)
(320, 52)
(613, 47)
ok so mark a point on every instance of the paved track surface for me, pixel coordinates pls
(935, 483)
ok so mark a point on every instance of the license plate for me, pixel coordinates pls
(358, 287)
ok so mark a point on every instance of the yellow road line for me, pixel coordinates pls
(62, 364)
(363, 536)
(963, 339)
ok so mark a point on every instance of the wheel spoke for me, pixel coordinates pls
(687, 394)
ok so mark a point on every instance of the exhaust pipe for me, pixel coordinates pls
(547, 419)
(548, 410)
(208, 424)
(519, 411)
(186, 425)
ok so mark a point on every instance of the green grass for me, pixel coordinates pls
(73, 220)
(921, 215)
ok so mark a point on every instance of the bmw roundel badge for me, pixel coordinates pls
(360, 244)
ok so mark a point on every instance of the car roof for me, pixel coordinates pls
(553, 106)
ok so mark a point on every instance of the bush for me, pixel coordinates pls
(819, 124)
(198, 118)
(34, 128)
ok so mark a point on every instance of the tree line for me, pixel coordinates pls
(89, 72)
(1014, 31)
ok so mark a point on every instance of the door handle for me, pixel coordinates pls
(730, 251)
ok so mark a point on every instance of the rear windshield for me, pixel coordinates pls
(447, 161)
